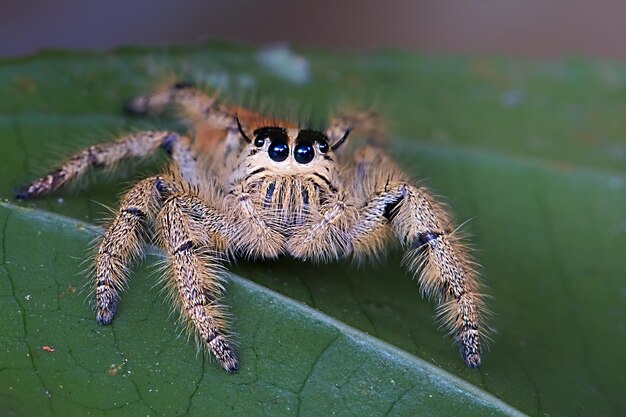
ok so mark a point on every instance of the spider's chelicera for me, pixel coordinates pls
(240, 185)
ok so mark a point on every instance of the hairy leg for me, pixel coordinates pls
(194, 103)
(124, 239)
(106, 155)
(365, 124)
(122, 243)
(432, 250)
(197, 107)
(190, 231)
(215, 125)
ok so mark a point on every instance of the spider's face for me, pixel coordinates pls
(290, 150)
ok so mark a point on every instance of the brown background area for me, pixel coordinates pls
(533, 28)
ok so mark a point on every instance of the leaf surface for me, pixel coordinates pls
(531, 152)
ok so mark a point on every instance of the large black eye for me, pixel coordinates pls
(303, 154)
(323, 147)
(278, 151)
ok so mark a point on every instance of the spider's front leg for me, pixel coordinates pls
(122, 242)
(107, 156)
(425, 230)
(194, 236)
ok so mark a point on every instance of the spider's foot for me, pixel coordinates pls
(224, 353)
(470, 347)
(473, 361)
(105, 315)
(230, 364)
(41, 186)
(471, 355)
(23, 194)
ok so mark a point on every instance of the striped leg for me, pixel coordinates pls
(195, 104)
(122, 243)
(188, 227)
(106, 155)
(424, 229)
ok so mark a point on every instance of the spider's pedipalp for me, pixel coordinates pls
(323, 237)
(253, 230)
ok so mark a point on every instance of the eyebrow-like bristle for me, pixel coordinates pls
(271, 132)
(310, 136)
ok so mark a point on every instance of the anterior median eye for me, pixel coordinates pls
(303, 154)
(278, 151)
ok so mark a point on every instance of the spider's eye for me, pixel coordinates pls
(303, 154)
(323, 147)
(278, 151)
(259, 142)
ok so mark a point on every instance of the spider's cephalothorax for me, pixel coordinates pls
(242, 185)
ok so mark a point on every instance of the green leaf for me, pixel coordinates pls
(295, 360)
(532, 152)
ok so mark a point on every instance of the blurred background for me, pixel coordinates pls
(529, 28)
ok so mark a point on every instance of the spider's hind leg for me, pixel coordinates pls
(366, 124)
(194, 103)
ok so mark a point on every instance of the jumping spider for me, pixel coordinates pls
(244, 185)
